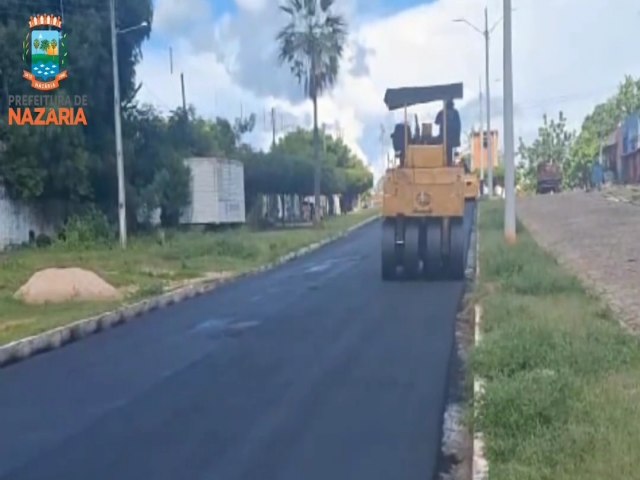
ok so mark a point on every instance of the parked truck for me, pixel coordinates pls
(549, 178)
(217, 192)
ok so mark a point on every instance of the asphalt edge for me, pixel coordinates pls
(455, 456)
(53, 339)
(480, 466)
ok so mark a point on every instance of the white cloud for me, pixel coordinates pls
(567, 55)
(251, 5)
(176, 18)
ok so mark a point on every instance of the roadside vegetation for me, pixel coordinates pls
(150, 265)
(575, 152)
(66, 171)
(561, 399)
(68, 176)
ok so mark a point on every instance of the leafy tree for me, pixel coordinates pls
(342, 172)
(44, 44)
(599, 124)
(36, 44)
(553, 145)
(87, 152)
(312, 44)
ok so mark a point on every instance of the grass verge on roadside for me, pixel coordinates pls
(562, 393)
(147, 267)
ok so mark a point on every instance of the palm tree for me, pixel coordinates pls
(54, 43)
(312, 43)
(36, 44)
(44, 45)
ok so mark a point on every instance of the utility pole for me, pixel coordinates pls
(509, 161)
(122, 214)
(488, 89)
(184, 97)
(171, 60)
(480, 133)
(486, 33)
(273, 126)
(382, 149)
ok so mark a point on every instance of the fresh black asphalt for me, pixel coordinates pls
(314, 371)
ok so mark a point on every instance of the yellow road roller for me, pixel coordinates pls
(423, 202)
(472, 187)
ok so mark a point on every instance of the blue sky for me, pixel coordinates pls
(230, 6)
(41, 35)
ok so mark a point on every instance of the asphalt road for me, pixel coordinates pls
(317, 370)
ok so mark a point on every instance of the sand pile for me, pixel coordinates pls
(58, 285)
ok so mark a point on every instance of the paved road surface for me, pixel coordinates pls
(317, 370)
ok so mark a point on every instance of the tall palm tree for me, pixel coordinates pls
(44, 45)
(312, 43)
(36, 44)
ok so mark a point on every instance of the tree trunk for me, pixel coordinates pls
(316, 160)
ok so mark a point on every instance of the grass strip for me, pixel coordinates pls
(148, 267)
(562, 397)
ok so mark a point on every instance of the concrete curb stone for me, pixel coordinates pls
(480, 466)
(58, 337)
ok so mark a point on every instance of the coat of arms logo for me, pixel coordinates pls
(45, 53)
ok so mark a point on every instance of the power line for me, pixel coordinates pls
(568, 98)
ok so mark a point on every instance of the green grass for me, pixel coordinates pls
(146, 268)
(562, 398)
(42, 58)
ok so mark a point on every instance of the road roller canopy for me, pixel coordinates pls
(396, 98)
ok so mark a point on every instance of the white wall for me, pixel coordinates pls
(17, 219)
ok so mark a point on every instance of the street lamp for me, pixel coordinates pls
(122, 212)
(486, 34)
(509, 148)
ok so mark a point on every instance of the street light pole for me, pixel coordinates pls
(481, 143)
(509, 161)
(122, 215)
(486, 33)
(488, 89)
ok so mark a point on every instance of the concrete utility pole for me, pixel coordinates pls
(122, 211)
(509, 160)
(273, 127)
(122, 214)
(488, 88)
(486, 33)
(184, 96)
(481, 130)
(382, 142)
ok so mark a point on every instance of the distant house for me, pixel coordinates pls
(611, 154)
(479, 150)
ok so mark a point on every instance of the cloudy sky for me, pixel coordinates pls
(568, 54)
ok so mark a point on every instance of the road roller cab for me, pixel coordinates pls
(423, 203)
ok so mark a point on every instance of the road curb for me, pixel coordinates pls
(480, 466)
(58, 337)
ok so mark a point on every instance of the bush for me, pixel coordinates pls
(87, 230)
(43, 240)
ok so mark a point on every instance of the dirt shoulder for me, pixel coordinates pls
(148, 267)
(597, 239)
